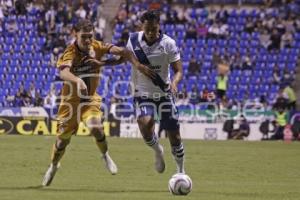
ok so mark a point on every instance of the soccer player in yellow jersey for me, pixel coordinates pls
(79, 68)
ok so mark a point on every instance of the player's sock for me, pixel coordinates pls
(102, 144)
(159, 153)
(57, 154)
(153, 143)
(178, 153)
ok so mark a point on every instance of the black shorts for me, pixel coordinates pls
(163, 108)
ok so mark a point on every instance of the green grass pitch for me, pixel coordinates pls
(225, 170)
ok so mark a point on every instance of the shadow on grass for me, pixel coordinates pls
(50, 189)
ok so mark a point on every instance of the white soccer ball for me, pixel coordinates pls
(180, 184)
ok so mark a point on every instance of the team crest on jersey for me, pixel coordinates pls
(161, 49)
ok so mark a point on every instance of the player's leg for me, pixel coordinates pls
(177, 149)
(58, 151)
(67, 126)
(146, 125)
(169, 121)
(92, 117)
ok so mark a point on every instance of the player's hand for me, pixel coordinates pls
(146, 71)
(81, 86)
(174, 88)
(87, 60)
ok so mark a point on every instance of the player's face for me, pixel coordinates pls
(151, 30)
(84, 39)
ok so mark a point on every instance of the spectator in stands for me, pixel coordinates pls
(61, 16)
(264, 39)
(50, 100)
(268, 22)
(258, 26)
(280, 26)
(250, 26)
(286, 40)
(287, 76)
(27, 102)
(125, 34)
(290, 25)
(170, 18)
(54, 56)
(38, 101)
(50, 16)
(99, 28)
(223, 30)
(193, 95)
(275, 40)
(11, 27)
(42, 30)
(59, 42)
(214, 30)
(10, 98)
(222, 15)
(1, 13)
(7, 6)
(202, 30)
(276, 75)
(81, 12)
(207, 96)
(181, 18)
(122, 14)
(20, 6)
(32, 91)
(17, 102)
(191, 33)
(235, 61)
(194, 67)
(182, 98)
(22, 91)
(247, 64)
(48, 46)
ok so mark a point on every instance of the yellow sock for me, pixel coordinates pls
(56, 154)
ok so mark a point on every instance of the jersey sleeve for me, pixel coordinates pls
(66, 60)
(129, 45)
(103, 48)
(173, 52)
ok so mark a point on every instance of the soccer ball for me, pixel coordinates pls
(180, 184)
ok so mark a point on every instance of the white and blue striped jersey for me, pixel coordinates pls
(158, 57)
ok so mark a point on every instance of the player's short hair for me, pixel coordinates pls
(84, 25)
(151, 15)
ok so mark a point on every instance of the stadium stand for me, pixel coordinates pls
(235, 34)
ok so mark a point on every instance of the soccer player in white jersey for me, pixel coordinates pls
(153, 88)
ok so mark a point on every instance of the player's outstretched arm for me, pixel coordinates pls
(66, 75)
(88, 60)
(177, 67)
(129, 56)
(114, 61)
